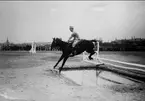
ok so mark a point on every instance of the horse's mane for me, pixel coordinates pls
(60, 40)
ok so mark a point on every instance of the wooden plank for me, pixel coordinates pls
(125, 67)
(127, 63)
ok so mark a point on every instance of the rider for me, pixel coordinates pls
(75, 40)
(74, 35)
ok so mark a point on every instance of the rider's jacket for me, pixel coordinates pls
(75, 36)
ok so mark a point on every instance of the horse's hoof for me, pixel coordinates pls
(59, 72)
(91, 58)
(54, 67)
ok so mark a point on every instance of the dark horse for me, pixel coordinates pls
(67, 49)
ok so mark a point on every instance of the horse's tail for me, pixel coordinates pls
(94, 42)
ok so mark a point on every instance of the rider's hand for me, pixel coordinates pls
(69, 41)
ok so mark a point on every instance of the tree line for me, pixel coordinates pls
(134, 44)
(23, 47)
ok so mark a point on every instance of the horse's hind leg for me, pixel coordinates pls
(90, 56)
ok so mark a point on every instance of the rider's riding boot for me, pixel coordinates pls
(74, 51)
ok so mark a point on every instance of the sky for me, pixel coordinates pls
(40, 21)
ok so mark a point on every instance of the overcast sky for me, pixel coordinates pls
(39, 21)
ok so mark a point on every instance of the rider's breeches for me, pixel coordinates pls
(75, 42)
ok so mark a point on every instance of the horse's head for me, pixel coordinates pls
(55, 43)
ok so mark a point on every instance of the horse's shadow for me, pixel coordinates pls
(66, 68)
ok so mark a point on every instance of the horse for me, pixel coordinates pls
(67, 49)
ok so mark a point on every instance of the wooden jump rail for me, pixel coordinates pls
(127, 63)
(121, 62)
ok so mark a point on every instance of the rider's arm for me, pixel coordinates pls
(70, 38)
(78, 36)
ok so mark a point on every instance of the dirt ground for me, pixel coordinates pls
(41, 84)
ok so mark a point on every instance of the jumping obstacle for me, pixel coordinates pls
(33, 48)
(88, 76)
(99, 61)
(125, 63)
(82, 73)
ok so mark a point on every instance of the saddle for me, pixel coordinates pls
(74, 43)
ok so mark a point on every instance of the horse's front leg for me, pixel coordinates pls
(64, 60)
(62, 56)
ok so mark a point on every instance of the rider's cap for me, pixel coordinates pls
(71, 27)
